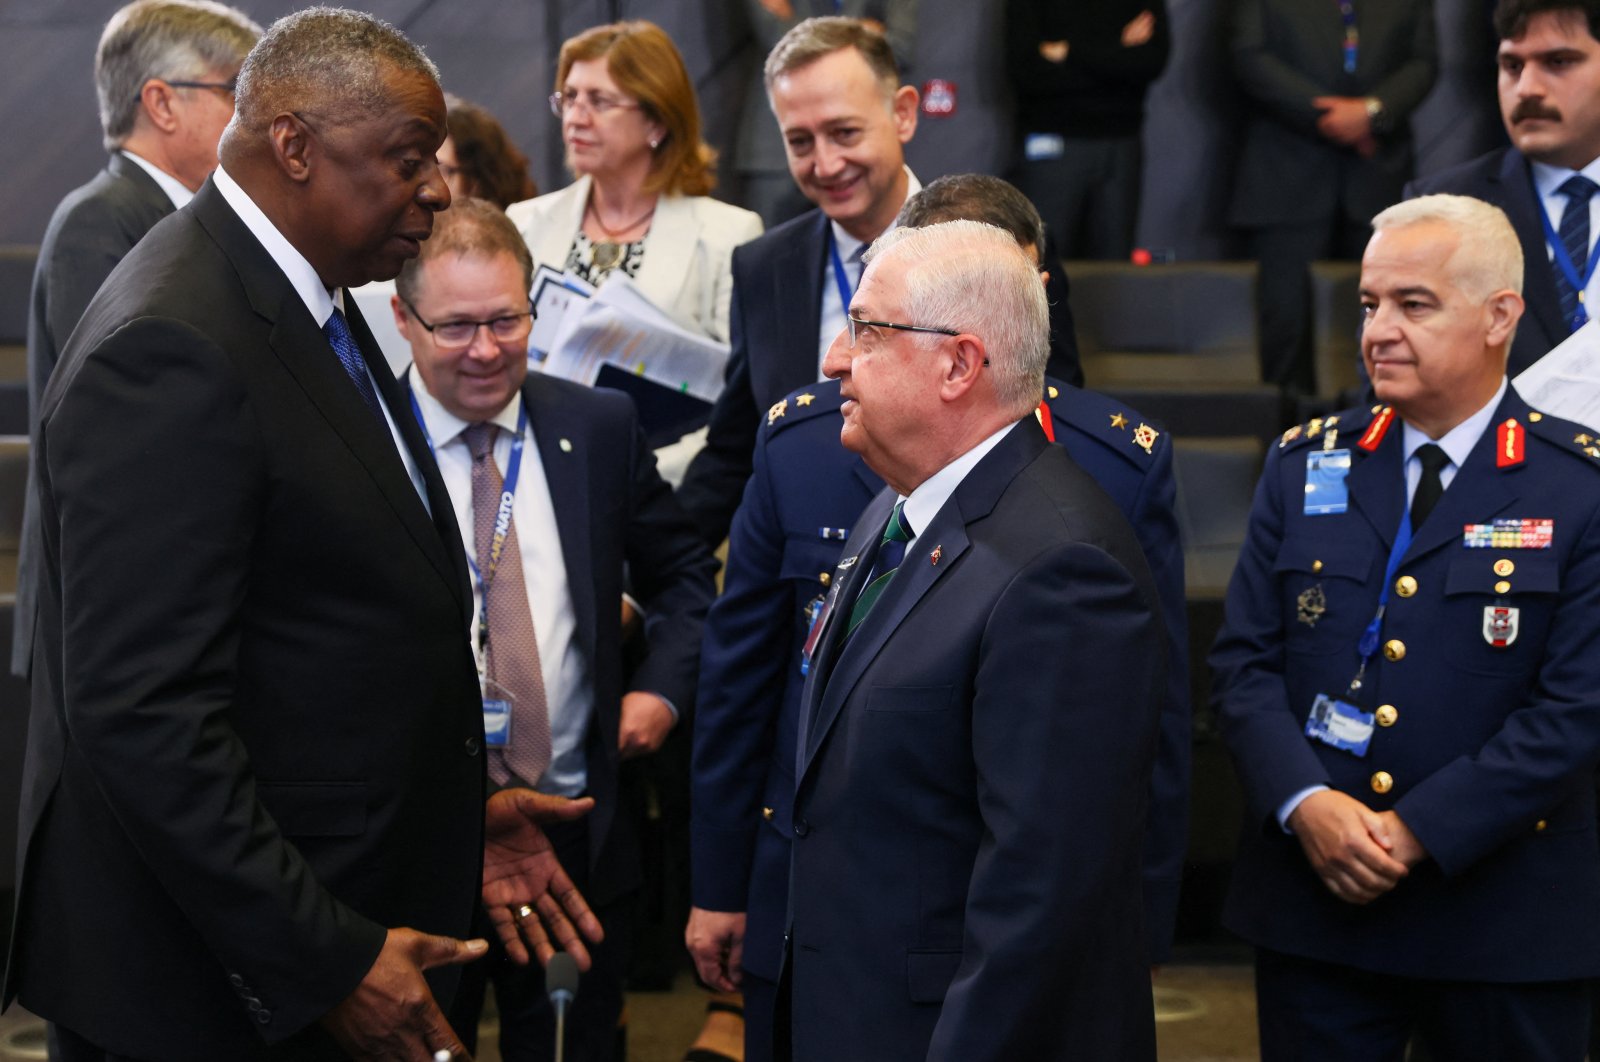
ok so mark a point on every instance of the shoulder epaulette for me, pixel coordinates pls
(1566, 435)
(1115, 425)
(797, 407)
(1357, 426)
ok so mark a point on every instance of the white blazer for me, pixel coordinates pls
(687, 271)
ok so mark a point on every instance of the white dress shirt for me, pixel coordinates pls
(174, 188)
(303, 278)
(569, 691)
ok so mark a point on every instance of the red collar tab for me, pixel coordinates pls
(1045, 420)
(1377, 429)
(1511, 448)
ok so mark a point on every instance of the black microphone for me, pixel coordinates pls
(561, 984)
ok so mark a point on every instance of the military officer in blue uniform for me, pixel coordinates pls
(805, 493)
(1408, 683)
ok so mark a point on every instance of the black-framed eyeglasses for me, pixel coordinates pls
(855, 324)
(452, 335)
(229, 86)
(561, 102)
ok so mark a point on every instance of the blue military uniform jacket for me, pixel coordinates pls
(1485, 688)
(806, 492)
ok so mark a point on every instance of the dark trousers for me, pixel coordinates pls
(760, 1002)
(1089, 197)
(1311, 1011)
(527, 1020)
(1283, 292)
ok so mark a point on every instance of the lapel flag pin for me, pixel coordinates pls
(933, 558)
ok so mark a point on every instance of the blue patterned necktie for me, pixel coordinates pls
(344, 344)
(890, 553)
(1575, 238)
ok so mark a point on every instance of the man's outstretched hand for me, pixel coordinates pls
(521, 874)
(392, 1015)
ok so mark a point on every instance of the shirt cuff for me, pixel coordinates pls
(1287, 807)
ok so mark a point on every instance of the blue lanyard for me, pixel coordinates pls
(502, 519)
(1352, 34)
(1558, 251)
(1369, 637)
(840, 277)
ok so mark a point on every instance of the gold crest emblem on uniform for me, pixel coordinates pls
(1311, 605)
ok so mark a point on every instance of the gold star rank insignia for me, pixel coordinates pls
(805, 399)
(779, 408)
(1118, 420)
(1144, 435)
(1582, 439)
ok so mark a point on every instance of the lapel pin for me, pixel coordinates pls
(933, 558)
(566, 446)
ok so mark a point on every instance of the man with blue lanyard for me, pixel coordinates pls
(1406, 679)
(563, 495)
(1549, 84)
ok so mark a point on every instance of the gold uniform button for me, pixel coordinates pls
(1535, 417)
(1382, 782)
(1405, 586)
(1502, 587)
(1316, 566)
(767, 813)
(1386, 715)
(1394, 649)
(826, 578)
(1503, 567)
(1539, 827)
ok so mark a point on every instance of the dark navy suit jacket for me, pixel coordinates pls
(807, 490)
(1492, 750)
(1502, 177)
(972, 778)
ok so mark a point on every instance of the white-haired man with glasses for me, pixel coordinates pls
(979, 719)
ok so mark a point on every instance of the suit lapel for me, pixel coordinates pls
(1521, 202)
(306, 354)
(566, 473)
(974, 499)
(797, 302)
(662, 275)
(151, 195)
(1377, 486)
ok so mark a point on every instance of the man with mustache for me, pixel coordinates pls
(1549, 85)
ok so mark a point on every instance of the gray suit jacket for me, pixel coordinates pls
(89, 233)
(1285, 53)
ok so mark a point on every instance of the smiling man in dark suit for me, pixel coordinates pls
(164, 74)
(253, 803)
(967, 811)
(589, 514)
(1549, 84)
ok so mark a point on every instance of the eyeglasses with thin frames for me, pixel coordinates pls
(229, 86)
(455, 335)
(598, 105)
(855, 325)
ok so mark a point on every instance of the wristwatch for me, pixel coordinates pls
(1377, 116)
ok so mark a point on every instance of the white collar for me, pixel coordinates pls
(848, 245)
(444, 426)
(1548, 179)
(302, 276)
(1458, 442)
(174, 188)
(924, 503)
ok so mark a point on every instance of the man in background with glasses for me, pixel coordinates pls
(164, 74)
(562, 493)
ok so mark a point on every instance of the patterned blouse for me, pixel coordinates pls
(593, 262)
